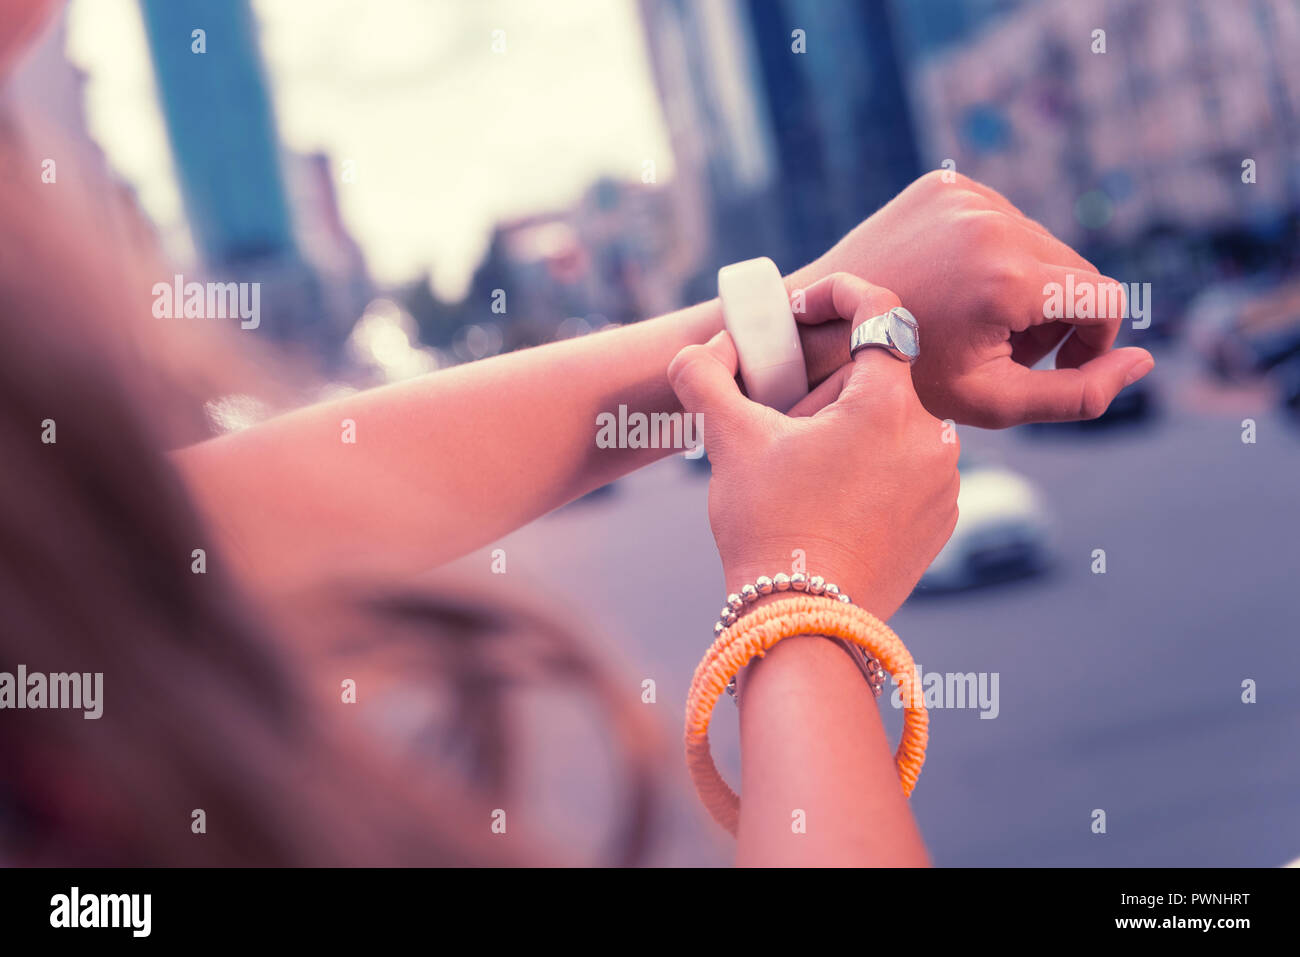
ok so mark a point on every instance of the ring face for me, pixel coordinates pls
(904, 333)
(895, 331)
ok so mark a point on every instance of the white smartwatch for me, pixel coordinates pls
(756, 311)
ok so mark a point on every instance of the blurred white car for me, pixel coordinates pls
(1002, 531)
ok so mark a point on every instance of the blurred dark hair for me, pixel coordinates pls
(207, 704)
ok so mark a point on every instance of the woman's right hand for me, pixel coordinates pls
(858, 476)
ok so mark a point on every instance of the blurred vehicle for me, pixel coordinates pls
(1135, 403)
(1163, 256)
(1002, 531)
(1288, 375)
(1243, 330)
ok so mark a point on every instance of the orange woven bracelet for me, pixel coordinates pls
(752, 636)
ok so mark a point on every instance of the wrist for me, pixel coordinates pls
(850, 574)
(816, 658)
(804, 650)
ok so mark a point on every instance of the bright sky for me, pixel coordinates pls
(447, 136)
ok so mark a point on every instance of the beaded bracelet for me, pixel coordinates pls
(752, 636)
(748, 594)
(816, 585)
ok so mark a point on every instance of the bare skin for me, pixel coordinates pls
(445, 464)
(813, 745)
(860, 478)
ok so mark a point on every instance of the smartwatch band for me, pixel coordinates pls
(756, 311)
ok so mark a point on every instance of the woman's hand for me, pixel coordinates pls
(974, 271)
(858, 476)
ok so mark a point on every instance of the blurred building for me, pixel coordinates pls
(841, 121)
(1104, 148)
(704, 67)
(222, 129)
(256, 215)
(931, 26)
(784, 140)
(613, 257)
(323, 240)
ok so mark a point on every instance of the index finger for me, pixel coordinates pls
(841, 295)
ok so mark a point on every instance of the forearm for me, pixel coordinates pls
(819, 783)
(448, 462)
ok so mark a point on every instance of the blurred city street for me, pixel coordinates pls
(415, 186)
(1119, 691)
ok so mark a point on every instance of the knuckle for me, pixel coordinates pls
(1093, 400)
(954, 451)
(876, 299)
(932, 179)
(1009, 274)
(686, 358)
(945, 178)
(846, 287)
(886, 298)
(1004, 285)
(981, 225)
(895, 394)
(945, 461)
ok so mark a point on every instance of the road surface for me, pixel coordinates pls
(1119, 692)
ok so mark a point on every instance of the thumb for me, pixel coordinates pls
(1064, 395)
(874, 374)
(704, 380)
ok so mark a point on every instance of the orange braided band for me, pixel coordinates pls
(753, 635)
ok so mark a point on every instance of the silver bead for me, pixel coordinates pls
(735, 602)
(781, 581)
(816, 585)
(831, 589)
(728, 617)
(798, 581)
(845, 598)
(719, 628)
(763, 584)
(750, 594)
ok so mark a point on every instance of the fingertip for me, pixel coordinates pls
(701, 377)
(723, 348)
(1143, 364)
(684, 358)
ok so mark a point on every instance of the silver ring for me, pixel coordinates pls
(895, 331)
